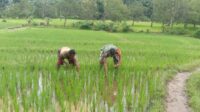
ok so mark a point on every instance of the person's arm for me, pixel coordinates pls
(66, 62)
(119, 59)
(77, 64)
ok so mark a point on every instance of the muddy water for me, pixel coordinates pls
(40, 84)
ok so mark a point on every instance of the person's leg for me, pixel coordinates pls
(115, 60)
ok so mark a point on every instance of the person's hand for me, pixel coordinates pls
(116, 66)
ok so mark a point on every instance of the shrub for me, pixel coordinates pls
(147, 31)
(29, 20)
(110, 27)
(86, 25)
(197, 34)
(76, 24)
(125, 28)
(180, 32)
(4, 21)
(42, 24)
(115, 28)
(47, 19)
(141, 31)
(34, 24)
(83, 25)
(24, 25)
(101, 26)
(120, 27)
(176, 31)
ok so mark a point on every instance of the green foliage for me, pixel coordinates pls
(20, 9)
(104, 26)
(177, 31)
(164, 11)
(193, 91)
(29, 20)
(4, 20)
(86, 25)
(197, 34)
(116, 10)
(35, 24)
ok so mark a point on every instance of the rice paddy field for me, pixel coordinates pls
(30, 82)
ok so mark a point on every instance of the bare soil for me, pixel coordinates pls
(176, 100)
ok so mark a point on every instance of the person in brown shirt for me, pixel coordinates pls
(66, 53)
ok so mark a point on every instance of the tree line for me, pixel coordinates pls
(168, 12)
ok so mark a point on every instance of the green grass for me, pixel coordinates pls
(28, 59)
(11, 23)
(194, 91)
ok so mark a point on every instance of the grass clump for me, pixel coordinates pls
(197, 34)
(193, 91)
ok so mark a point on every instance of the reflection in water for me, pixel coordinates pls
(109, 94)
(40, 84)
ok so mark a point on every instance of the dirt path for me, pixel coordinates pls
(177, 99)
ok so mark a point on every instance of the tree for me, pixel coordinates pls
(161, 11)
(45, 8)
(115, 10)
(136, 11)
(194, 12)
(3, 4)
(148, 8)
(68, 9)
(20, 9)
(88, 9)
(100, 9)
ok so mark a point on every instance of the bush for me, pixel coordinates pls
(115, 28)
(197, 34)
(76, 24)
(125, 28)
(4, 21)
(101, 26)
(47, 19)
(177, 31)
(83, 25)
(29, 20)
(86, 25)
(24, 25)
(181, 32)
(110, 27)
(34, 24)
(120, 27)
(147, 31)
(141, 31)
(42, 23)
